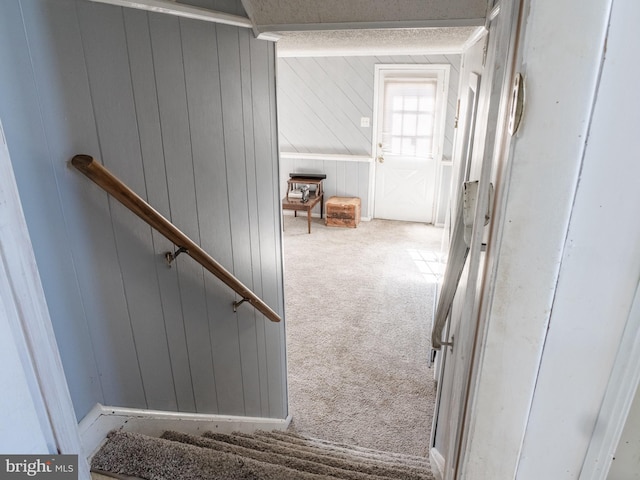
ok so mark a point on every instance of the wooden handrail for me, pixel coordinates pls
(118, 190)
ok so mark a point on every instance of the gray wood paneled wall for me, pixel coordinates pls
(344, 178)
(183, 112)
(320, 103)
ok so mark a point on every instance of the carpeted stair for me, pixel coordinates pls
(237, 456)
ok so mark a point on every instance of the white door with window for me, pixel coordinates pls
(409, 136)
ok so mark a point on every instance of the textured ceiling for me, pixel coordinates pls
(407, 41)
(280, 15)
(360, 27)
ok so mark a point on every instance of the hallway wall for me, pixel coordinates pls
(183, 112)
(320, 103)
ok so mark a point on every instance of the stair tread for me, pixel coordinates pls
(155, 458)
(296, 437)
(338, 468)
(215, 456)
(370, 459)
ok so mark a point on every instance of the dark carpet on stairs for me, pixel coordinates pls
(262, 455)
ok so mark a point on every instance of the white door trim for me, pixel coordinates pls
(441, 73)
(49, 388)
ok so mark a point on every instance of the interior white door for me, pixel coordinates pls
(410, 114)
(478, 155)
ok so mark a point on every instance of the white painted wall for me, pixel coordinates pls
(558, 299)
(600, 263)
(20, 428)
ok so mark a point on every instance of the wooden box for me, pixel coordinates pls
(342, 212)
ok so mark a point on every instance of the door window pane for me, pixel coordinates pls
(409, 121)
(411, 104)
(427, 103)
(396, 145)
(425, 125)
(408, 146)
(396, 128)
(409, 117)
(423, 146)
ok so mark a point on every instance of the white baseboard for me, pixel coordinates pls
(95, 426)
(437, 463)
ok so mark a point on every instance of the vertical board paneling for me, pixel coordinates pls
(351, 173)
(234, 142)
(275, 333)
(145, 96)
(176, 140)
(349, 179)
(114, 351)
(247, 316)
(184, 112)
(331, 182)
(37, 168)
(267, 210)
(103, 30)
(205, 111)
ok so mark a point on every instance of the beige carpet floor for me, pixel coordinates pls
(358, 310)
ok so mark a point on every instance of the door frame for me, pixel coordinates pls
(441, 73)
(491, 141)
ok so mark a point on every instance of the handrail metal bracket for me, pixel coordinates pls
(102, 177)
(170, 257)
(237, 304)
